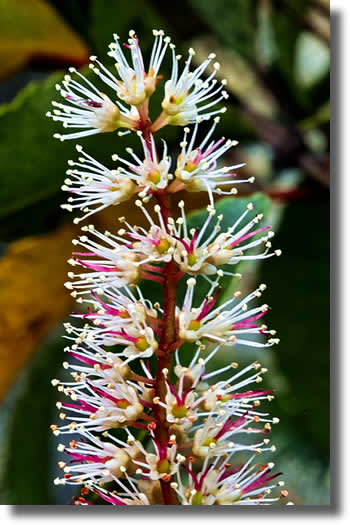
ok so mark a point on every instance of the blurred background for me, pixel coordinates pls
(275, 57)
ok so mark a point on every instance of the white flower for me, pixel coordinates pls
(197, 168)
(150, 174)
(122, 320)
(130, 493)
(122, 259)
(136, 84)
(111, 261)
(180, 406)
(228, 323)
(93, 187)
(194, 406)
(161, 464)
(88, 109)
(93, 458)
(218, 436)
(202, 251)
(99, 408)
(187, 94)
(157, 243)
(222, 484)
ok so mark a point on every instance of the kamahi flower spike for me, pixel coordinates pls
(153, 418)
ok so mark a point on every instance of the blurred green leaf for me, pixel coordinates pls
(233, 22)
(306, 477)
(27, 476)
(320, 117)
(77, 15)
(312, 59)
(286, 34)
(110, 16)
(298, 291)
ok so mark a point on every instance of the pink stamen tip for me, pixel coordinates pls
(98, 267)
(247, 323)
(180, 400)
(185, 244)
(177, 397)
(229, 472)
(230, 425)
(92, 458)
(83, 406)
(103, 394)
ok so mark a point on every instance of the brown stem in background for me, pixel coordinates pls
(290, 147)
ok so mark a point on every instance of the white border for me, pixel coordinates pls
(341, 220)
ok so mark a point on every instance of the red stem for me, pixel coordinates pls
(168, 332)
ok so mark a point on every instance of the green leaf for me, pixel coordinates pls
(298, 292)
(27, 477)
(286, 34)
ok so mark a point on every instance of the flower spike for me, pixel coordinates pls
(148, 415)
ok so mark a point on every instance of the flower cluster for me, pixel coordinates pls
(152, 418)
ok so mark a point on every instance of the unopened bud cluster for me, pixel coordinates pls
(153, 421)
